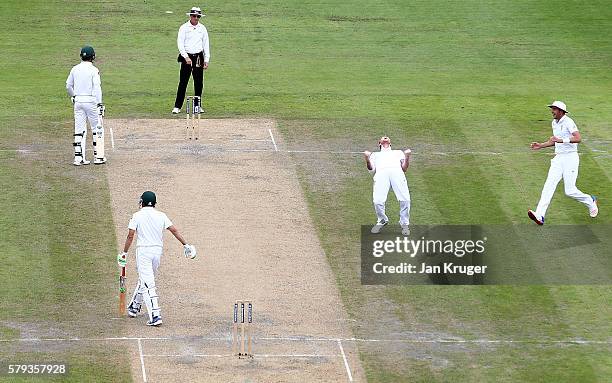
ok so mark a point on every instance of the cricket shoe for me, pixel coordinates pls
(156, 321)
(531, 214)
(378, 227)
(82, 162)
(405, 230)
(133, 311)
(99, 161)
(595, 209)
(176, 111)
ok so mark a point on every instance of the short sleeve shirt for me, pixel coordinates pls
(149, 224)
(564, 129)
(387, 159)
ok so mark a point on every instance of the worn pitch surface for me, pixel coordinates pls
(239, 202)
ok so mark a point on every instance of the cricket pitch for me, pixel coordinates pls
(237, 198)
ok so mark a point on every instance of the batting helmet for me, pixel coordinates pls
(88, 53)
(148, 199)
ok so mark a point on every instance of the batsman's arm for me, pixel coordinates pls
(177, 235)
(70, 85)
(128, 240)
(97, 88)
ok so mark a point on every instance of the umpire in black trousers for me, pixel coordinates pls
(194, 54)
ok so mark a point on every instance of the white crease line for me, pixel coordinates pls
(348, 369)
(142, 365)
(254, 356)
(82, 339)
(188, 355)
(112, 137)
(273, 141)
(322, 151)
(294, 356)
(322, 339)
(221, 149)
(135, 139)
(191, 150)
(442, 341)
(299, 339)
(481, 341)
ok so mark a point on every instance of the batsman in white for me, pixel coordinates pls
(84, 88)
(149, 224)
(564, 165)
(388, 167)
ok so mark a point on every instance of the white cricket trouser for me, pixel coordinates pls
(147, 263)
(83, 112)
(396, 179)
(563, 165)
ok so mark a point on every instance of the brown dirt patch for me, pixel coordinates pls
(240, 203)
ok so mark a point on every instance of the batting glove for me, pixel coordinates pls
(122, 259)
(189, 251)
(72, 99)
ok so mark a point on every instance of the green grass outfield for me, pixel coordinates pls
(434, 75)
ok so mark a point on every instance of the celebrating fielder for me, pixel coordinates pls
(388, 167)
(564, 165)
(149, 224)
(83, 86)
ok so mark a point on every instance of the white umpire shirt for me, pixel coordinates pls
(193, 39)
(84, 83)
(387, 159)
(564, 129)
(149, 224)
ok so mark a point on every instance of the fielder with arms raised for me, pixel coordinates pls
(149, 224)
(564, 165)
(388, 167)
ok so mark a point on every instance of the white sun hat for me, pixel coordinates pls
(559, 104)
(195, 11)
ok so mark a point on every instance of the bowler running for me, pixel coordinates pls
(564, 165)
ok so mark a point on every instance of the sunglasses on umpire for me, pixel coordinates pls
(198, 16)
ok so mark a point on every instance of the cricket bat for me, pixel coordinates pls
(122, 292)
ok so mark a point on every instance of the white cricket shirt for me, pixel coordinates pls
(564, 129)
(149, 224)
(84, 83)
(387, 159)
(193, 39)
